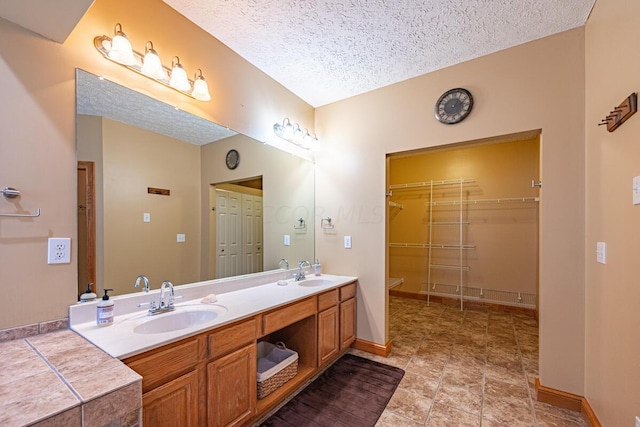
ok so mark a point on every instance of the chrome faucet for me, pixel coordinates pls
(286, 263)
(300, 275)
(169, 305)
(162, 306)
(144, 280)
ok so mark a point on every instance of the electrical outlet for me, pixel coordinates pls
(287, 240)
(181, 238)
(146, 217)
(59, 250)
(347, 242)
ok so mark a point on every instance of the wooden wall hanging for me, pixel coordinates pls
(621, 113)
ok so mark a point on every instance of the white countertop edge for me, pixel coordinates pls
(243, 297)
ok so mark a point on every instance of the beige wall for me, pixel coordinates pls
(37, 131)
(505, 235)
(134, 159)
(288, 193)
(519, 89)
(612, 374)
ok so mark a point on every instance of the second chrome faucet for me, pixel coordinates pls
(300, 275)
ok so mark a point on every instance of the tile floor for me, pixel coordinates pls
(465, 368)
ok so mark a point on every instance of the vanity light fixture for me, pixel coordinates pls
(200, 87)
(151, 64)
(295, 135)
(179, 79)
(119, 50)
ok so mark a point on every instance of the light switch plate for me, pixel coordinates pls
(601, 252)
(287, 240)
(636, 190)
(146, 217)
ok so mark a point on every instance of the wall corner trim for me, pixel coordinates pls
(373, 348)
(565, 400)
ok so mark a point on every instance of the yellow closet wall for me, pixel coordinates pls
(504, 234)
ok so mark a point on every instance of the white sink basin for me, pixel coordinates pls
(315, 282)
(182, 318)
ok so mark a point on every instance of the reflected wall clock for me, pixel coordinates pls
(232, 159)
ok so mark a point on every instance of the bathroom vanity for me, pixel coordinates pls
(205, 374)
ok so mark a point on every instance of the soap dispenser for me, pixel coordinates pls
(317, 268)
(88, 295)
(105, 310)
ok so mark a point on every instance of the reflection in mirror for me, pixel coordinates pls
(156, 196)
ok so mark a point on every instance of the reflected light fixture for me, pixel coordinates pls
(119, 50)
(295, 135)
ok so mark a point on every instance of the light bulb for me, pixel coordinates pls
(151, 65)
(179, 79)
(121, 50)
(200, 88)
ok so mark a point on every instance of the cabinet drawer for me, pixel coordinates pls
(286, 316)
(328, 299)
(348, 291)
(165, 365)
(231, 338)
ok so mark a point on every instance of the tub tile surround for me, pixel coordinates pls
(59, 378)
(243, 297)
(472, 368)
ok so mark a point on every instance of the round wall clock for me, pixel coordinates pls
(233, 159)
(453, 106)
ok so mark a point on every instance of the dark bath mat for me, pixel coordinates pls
(353, 392)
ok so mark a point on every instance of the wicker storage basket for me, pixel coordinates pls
(285, 368)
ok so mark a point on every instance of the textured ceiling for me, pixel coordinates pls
(97, 97)
(328, 50)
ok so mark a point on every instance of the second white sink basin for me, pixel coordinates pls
(315, 282)
(182, 318)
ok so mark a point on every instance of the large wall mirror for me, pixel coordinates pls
(157, 198)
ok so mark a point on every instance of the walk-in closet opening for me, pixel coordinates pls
(463, 223)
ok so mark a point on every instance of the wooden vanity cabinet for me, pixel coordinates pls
(210, 379)
(231, 375)
(170, 383)
(347, 315)
(172, 404)
(328, 327)
(231, 382)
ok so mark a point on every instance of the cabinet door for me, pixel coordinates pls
(347, 323)
(328, 334)
(172, 404)
(231, 381)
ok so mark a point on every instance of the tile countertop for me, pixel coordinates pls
(60, 374)
(242, 297)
